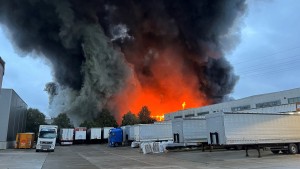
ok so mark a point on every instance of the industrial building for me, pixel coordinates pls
(12, 117)
(2, 66)
(278, 102)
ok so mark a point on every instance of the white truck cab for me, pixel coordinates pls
(46, 138)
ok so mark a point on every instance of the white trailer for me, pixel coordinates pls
(80, 134)
(94, 133)
(131, 136)
(189, 131)
(126, 133)
(153, 132)
(278, 132)
(66, 136)
(106, 132)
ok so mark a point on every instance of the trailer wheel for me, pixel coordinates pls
(275, 151)
(293, 149)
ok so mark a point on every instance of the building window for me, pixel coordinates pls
(189, 115)
(202, 113)
(268, 104)
(293, 100)
(240, 108)
(177, 117)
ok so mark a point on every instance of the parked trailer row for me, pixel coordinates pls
(68, 136)
(276, 132)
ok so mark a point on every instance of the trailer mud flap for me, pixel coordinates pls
(214, 138)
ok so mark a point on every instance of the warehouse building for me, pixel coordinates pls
(12, 117)
(278, 102)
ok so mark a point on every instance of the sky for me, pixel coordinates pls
(267, 59)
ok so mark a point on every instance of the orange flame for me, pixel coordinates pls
(158, 118)
(163, 92)
(183, 105)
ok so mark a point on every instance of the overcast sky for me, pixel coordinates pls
(267, 59)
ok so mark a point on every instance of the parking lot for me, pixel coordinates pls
(103, 157)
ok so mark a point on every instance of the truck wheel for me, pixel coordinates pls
(275, 151)
(37, 150)
(293, 149)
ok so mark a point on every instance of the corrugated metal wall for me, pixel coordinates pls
(12, 115)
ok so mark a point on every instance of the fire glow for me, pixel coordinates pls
(170, 85)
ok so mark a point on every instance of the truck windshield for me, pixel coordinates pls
(47, 134)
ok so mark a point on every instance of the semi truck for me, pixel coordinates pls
(46, 138)
(278, 132)
(66, 136)
(115, 137)
(189, 131)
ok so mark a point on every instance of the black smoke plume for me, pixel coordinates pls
(92, 43)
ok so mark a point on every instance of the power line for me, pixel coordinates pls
(270, 66)
(272, 72)
(264, 57)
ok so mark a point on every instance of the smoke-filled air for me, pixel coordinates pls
(124, 54)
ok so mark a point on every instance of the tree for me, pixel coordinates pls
(62, 121)
(144, 116)
(34, 119)
(88, 124)
(104, 119)
(129, 119)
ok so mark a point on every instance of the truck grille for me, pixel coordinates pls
(46, 142)
(45, 147)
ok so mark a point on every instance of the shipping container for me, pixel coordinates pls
(66, 136)
(25, 140)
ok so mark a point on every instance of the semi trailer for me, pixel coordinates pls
(94, 135)
(189, 131)
(152, 132)
(278, 132)
(80, 134)
(66, 136)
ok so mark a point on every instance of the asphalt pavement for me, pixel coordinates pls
(103, 157)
